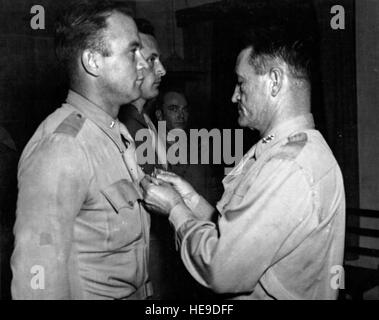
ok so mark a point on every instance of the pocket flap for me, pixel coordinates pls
(121, 194)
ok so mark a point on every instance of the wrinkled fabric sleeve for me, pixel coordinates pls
(256, 229)
(195, 207)
(199, 206)
(53, 183)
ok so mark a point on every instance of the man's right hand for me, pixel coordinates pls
(159, 195)
(181, 186)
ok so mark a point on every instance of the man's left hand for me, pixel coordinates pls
(159, 195)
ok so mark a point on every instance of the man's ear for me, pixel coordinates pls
(158, 114)
(276, 77)
(91, 62)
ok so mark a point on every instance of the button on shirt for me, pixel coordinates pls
(281, 228)
(79, 223)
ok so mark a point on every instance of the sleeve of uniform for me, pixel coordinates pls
(199, 206)
(53, 183)
(256, 229)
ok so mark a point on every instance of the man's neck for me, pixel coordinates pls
(139, 104)
(287, 111)
(101, 102)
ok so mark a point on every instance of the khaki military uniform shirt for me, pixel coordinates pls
(281, 229)
(80, 232)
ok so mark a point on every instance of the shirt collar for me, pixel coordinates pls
(284, 130)
(103, 120)
(132, 112)
(91, 110)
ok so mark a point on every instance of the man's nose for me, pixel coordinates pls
(181, 115)
(141, 62)
(161, 69)
(236, 95)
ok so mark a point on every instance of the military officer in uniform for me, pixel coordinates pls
(281, 223)
(81, 232)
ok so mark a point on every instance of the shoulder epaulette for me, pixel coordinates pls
(293, 147)
(298, 138)
(71, 125)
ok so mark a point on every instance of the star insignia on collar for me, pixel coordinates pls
(268, 138)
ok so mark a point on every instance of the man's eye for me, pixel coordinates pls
(172, 108)
(151, 61)
(133, 53)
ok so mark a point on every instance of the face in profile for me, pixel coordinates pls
(155, 71)
(250, 94)
(174, 111)
(121, 73)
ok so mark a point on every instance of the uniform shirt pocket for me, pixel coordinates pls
(124, 221)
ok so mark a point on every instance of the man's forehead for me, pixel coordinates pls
(243, 61)
(176, 98)
(148, 42)
(120, 25)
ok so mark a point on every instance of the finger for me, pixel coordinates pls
(147, 197)
(156, 181)
(147, 177)
(168, 178)
(161, 183)
(157, 170)
(154, 173)
(145, 182)
(166, 173)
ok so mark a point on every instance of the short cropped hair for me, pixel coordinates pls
(275, 43)
(81, 26)
(144, 26)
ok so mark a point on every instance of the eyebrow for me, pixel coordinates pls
(134, 44)
(152, 55)
(176, 105)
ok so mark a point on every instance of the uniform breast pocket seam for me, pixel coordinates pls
(125, 227)
(121, 194)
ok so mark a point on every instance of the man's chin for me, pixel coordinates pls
(242, 122)
(135, 95)
(147, 95)
(153, 93)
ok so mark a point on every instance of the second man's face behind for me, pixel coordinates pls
(155, 71)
